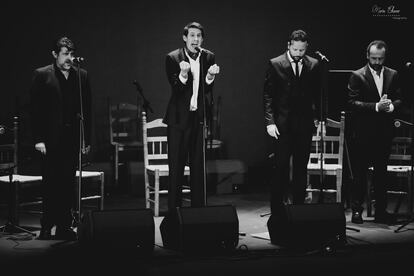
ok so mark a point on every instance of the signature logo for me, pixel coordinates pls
(391, 11)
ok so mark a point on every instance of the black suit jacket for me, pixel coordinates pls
(278, 89)
(47, 105)
(178, 108)
(363, 95)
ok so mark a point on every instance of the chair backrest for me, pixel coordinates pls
(154, 141)
(333, 135)
(123, 122)
(9, 148)
(401, 144)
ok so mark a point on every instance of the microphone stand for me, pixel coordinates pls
(324, 88)
(204, 128)
(146, 105)
(411, 199)
(411, 125)
(82, 147)
(324, 72)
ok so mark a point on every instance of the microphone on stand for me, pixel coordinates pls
(199, 49)
(322, 56)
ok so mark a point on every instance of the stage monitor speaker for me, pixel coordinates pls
(308, 226)
(121, 228)
(201, 229)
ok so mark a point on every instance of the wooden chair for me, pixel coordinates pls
(9, 166)
(156, 162)
(123, 133)
(332, 153)
(398, 168)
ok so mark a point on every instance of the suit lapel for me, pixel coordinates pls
(183, 57)
(387, 80)
(305, 67)
(56, 83)
(370, 81)
(287, 67)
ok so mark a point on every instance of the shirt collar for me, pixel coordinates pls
(186, 53)
(291, 60)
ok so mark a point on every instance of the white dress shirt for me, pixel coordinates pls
(379, 79)
(195, 71)
(379, 83)
(292, 63)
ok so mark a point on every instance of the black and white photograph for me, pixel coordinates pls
(207, 138)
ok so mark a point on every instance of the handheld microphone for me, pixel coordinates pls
(198, 49)
(321, 56)
(77, 59)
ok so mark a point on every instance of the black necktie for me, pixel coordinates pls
(296, 68)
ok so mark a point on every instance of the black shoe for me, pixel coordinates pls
(45, 234)
(385, 217)
(66, 234)
(357, 218)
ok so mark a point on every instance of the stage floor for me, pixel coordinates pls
(372, 247)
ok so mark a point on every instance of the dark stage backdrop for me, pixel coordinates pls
(124, 41)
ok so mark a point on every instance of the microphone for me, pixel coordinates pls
(77, 59)
(321, 56)
(198, 49)
(139, 88)
(408, 64)
(397, 123)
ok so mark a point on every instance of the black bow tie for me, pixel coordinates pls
(193, 55)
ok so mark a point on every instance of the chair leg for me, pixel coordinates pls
(116, 168)
(369, 199)
(102, 180)
(147, 191)
(308, 198)
(410, 193)
(398, 205)
(157, 193)
(339, 186)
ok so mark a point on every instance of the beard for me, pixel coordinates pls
(376, 67)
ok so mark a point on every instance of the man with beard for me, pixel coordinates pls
(291, 98)
(374, 96)
(55, 112)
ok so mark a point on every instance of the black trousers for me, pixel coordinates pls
(370, 152)
(186, 145)
(58, 185)
(295, 144)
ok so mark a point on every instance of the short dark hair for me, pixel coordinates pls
(380, 44)
(63, 42)
(193, 25)
(299, 35)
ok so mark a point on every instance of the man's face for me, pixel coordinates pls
(297, 49)
(193, 39)
(376, 57)
(63, 58)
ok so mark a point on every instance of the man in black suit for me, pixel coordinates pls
(291, 97)
(191, 71)
(55, 113)
(374, 97)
